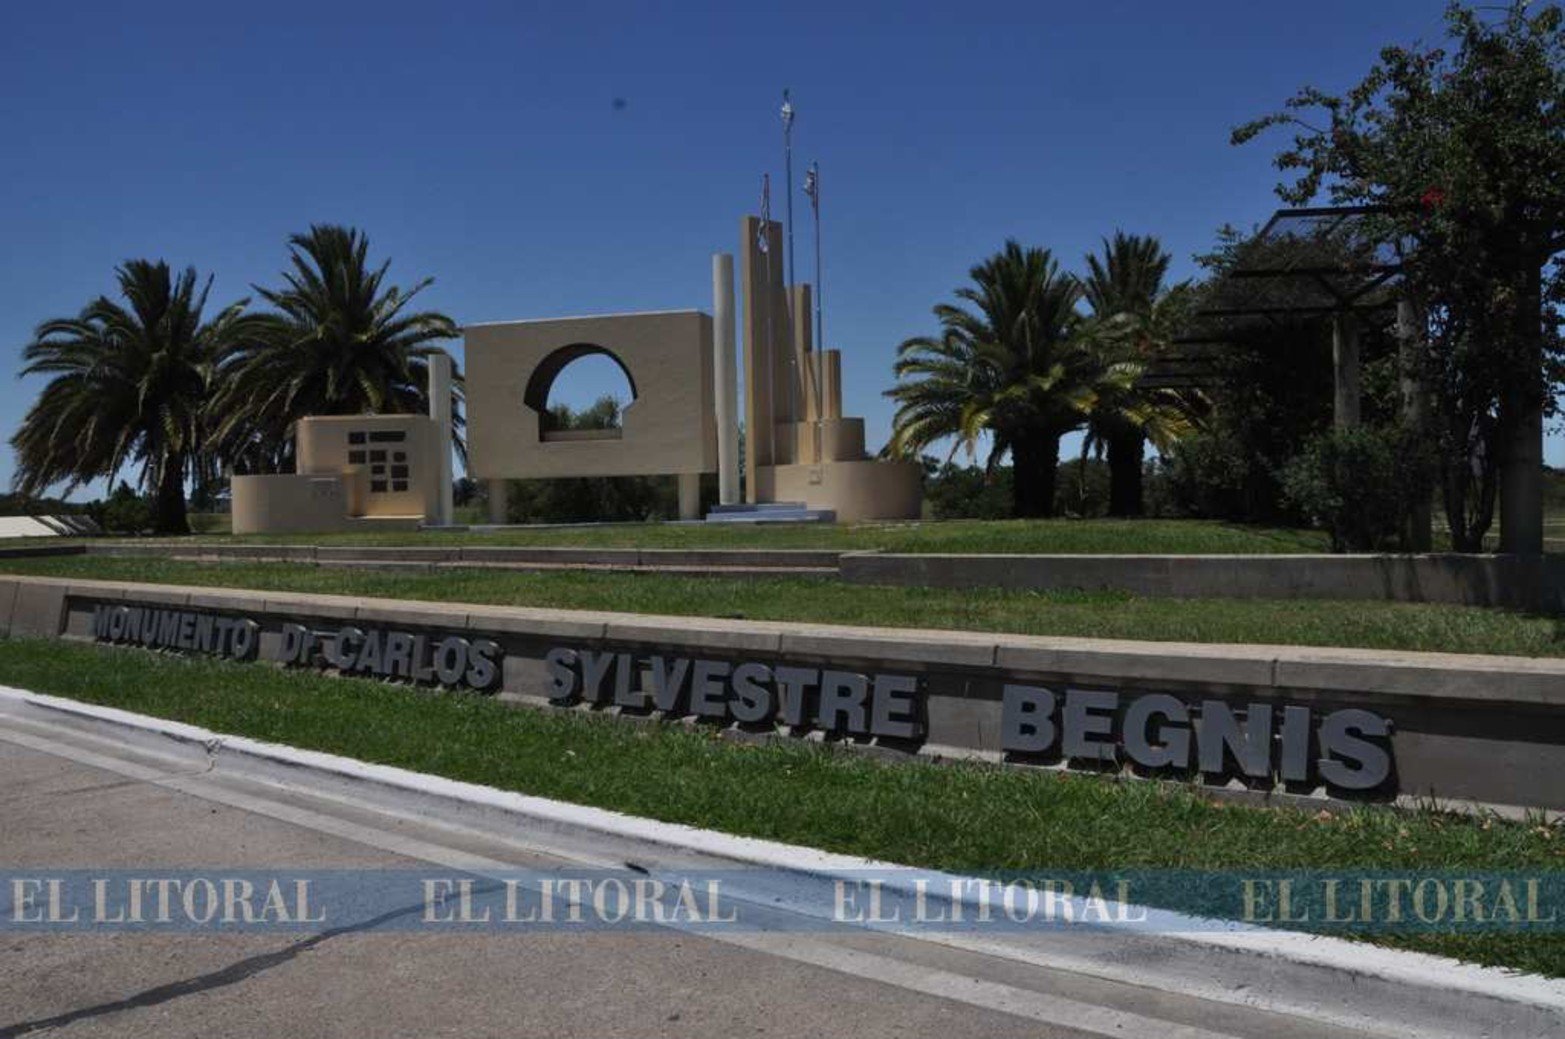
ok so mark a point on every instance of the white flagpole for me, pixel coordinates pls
(812, 188)
(764, 244)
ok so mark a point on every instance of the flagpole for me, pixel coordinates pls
(812, 188)
(787, 118)
(815, 203)
(764, 243)
(793, 359)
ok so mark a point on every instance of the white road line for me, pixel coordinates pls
(1005, 999)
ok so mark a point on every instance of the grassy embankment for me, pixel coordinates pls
(1135, 537)
(968, 818)
(1369, 624)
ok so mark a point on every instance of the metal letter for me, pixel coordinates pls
(1218, 728)
(1173, 747)
(707, 689)
(1342, 735)
(561, 665)
(792, 684)
(894, 711)
(753, 701)
(1087, 724)
(842, 702)
(1026, 719)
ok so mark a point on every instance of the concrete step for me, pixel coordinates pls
(770, 512)
(762, 506)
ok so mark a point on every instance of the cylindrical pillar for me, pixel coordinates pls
(497, 501)
(440, 411)
(689, 496)
(1345, 364)
(725, 385)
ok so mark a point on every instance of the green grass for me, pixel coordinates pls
(1135, 537)
(969, 818)
(1369, 624)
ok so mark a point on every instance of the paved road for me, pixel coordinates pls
(68, 805)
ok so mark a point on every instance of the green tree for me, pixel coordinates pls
(129, 386)
(1006, 365)
(1462, 150)
(1135, 317)
(340, 342)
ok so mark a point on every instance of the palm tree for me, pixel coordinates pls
(1134, 318)
(341, 342)
(130, 385)
(1009, 366)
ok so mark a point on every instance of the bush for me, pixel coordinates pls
(125, 511)
(967, 492)
(1213, 476)
(1081, 490)
(1360, 484)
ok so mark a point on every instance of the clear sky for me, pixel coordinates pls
(574, 158)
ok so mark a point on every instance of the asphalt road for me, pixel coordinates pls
(68, 807)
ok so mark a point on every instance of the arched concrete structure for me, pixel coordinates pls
(548, 372)
(669, 428)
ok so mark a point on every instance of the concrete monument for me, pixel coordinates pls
(803, 458)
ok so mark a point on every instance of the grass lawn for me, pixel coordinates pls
(1136, 537)
(1370, 624)
(968, 818)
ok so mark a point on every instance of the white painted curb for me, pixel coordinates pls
(1434, 995)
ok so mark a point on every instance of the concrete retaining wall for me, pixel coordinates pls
(1519, 582)
(518, 555)
(1525, 582)
(1489, 730)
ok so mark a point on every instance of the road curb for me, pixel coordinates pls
(1327, 979)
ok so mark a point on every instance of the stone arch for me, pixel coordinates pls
(541, 382)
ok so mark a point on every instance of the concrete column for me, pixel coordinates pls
(723, 377)
(440, 411)
(765, 339)
(1345, 364)
(1412, 327)
(831, 377)
(689, 496)
(497, 501)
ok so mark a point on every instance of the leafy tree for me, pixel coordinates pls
(340, 342)
(129, 386)
(1464, 151)
(1007, 365)
(1134, 319)
(593, 499)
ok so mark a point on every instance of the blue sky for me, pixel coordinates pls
(481, 144)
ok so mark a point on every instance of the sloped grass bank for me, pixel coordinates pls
(961, 817)
(1427, 627)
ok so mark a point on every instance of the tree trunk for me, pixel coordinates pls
(1521, 431)
(168, 504)
(1036, 458)
(1126, 448)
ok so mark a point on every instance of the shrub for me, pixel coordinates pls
(1360, 485)
(125, 511)
(967, 492)
(1211, 475)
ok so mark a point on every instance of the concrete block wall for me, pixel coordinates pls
(1523, 582)
(1472, 729)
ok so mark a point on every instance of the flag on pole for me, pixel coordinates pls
(787, 111)
(762, 239)
(812, 186)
